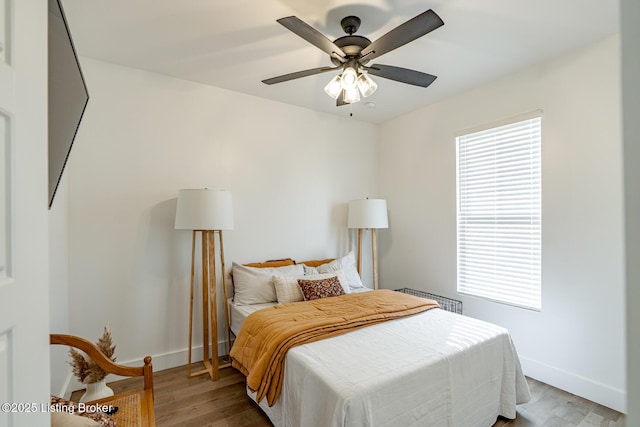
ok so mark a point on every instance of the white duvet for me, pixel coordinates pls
(432, 369)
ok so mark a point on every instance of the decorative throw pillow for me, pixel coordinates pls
(288, 290)
(323, 288)
(347, 264)
(64, 406)
(65, 419)
(254, 286)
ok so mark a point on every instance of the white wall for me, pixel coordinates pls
(144, 136)
(577, 341)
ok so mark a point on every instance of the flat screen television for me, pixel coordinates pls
(68, 95)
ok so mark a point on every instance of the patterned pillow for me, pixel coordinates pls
(65, 419)
(323, 288)
(288, 290)
(60, 404)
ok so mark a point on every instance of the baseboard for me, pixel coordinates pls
(584, 387)
(175, 358)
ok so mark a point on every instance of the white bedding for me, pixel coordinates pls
(432, 369)
(238, 313)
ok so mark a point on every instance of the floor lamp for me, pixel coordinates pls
(368, 214)
(206, 212)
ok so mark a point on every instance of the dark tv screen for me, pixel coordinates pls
(68, 95)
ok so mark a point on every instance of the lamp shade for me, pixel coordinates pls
(366, 85)
(368, 213)
(204, 209)
(333, 88)
(349, 78)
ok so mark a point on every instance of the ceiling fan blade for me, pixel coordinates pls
(298, 74)
(311, 35)
(402, 75)
(403, 34)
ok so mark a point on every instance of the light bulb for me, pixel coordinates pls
(366, 85)
(349, 78)
(333, 88)
(351, 95)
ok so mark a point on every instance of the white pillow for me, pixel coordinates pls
(310, 270)
(347, 264)
(288, 290)
(253, 285)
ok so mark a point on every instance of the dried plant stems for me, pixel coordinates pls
(85, 369)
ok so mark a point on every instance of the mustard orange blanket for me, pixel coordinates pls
(266, 335)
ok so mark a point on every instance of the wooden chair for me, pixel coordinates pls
(135, 408)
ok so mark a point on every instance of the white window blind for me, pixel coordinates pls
(499, 214)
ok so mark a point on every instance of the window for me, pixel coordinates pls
(499, 214)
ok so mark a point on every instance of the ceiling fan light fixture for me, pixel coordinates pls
(349, 78)
(353, 52)
(334, 87)
(366, 85)
(351, 96)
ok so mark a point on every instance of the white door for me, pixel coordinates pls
(24, 288)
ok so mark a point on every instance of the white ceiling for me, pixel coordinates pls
(234, 44)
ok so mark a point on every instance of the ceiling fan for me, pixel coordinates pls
(352, 53)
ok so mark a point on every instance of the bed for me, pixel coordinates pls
(435, 368)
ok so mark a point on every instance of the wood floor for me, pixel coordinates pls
(199, 402)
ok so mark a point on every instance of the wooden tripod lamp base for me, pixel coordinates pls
(209, 303)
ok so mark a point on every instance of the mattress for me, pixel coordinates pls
(238, 313)
(431, 369)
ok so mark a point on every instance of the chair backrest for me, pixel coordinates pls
(104, 362)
